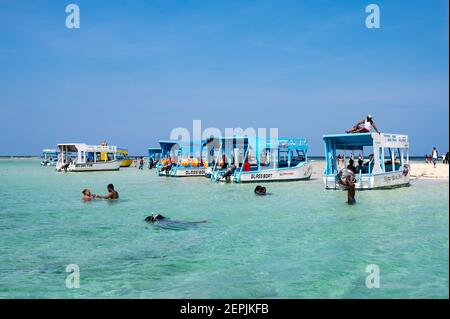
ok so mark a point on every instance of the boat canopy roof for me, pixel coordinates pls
(49, 151)
(288, 143)
(154, 150)
(357, 141)
(122, 151)
(167, 143)
(78, 147)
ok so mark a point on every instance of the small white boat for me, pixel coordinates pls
(183, 159)
(49, 157)
(386, 166)
(80, 157)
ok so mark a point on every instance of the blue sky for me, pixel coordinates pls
(137, 69)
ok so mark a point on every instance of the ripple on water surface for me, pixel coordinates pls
(299, 242)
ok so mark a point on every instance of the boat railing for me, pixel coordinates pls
(213, 171)
(239, 173)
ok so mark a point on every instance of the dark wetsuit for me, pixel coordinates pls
(163, 222)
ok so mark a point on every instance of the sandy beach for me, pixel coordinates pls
(427, 170)
(418, 170)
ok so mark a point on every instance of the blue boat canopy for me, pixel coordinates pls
(349, 141)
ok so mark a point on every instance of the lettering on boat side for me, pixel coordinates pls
(196, 172)
(373, 279)
(287, 173)
(83, 165)
(235, 308)
(392, 178)
(73, 19)
(373, 19)
(73, 279)
(260, 175)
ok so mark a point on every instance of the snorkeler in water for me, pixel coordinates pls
(159, 219)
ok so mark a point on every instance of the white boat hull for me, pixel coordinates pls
(376, 181)
(185, 172)
(297, 173)
(91, 166)
(43, 163)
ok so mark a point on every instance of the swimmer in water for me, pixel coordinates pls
(112, 193)
(260, 190)
(87, 196)
(160, 220)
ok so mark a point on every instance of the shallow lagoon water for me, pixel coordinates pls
(299, 242)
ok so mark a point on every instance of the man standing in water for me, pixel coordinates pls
(113, 194)
(348, 180)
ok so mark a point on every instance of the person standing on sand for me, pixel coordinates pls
(141, 163)
(434, 155)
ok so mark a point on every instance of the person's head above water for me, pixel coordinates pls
(110, 187)
(86, 192)
(154, 217)
(260, 190)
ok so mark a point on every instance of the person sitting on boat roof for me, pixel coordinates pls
(113, 194)
(368, 123)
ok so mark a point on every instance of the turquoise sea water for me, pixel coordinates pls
(299, 242)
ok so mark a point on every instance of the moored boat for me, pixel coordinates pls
(382, 160)
(252, 159)
(122, 156)
(80, 157)
(184, 159)
(49, 157)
